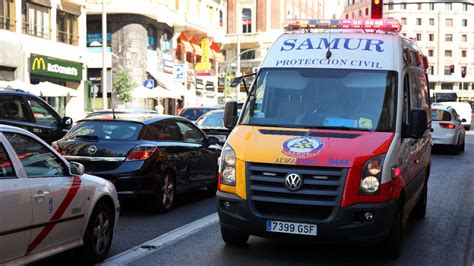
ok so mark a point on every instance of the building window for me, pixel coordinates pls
(430, 53)
(67, 28)
(347, 16)
(221, 19)
(464, 22)
(246, 20)
(37, 21)
(464, 38)
(448, 38)
(366, 11)
(431, 37)
(7, 15)
(390, 6)
(463, 53)
(403, 6)
(448, 53)
(431, 70)
(431, 5)
(403, 21)
(152, 43)
(448, 6)
(166, 44)
(449, 22)
(447, 86)
(464, 7)
(418, 21)
(418, 36)
(418, 6)
(447, 70)
(247, 55)
(360, 13)
(431, 22)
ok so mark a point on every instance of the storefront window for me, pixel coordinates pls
(7, 15)
(67, 28)
(38, 21)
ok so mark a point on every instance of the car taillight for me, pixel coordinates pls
(141, 153)
(56, 147)
(447, 125)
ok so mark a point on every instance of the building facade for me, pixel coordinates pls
(173, 43)
(444, 31)
(44, 41)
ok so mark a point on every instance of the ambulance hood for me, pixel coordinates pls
(348, 50)
(327, 148)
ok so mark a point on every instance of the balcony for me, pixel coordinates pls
(37, 30)
(7, 23)
(67, 38)
(76, 2)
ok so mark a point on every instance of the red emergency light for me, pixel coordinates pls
(389, 25)
(376, 9)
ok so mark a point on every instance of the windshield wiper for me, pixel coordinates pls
(87, 137)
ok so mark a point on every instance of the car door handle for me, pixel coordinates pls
(40, 194)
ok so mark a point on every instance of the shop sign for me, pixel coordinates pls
(55, 68)
(204, 65)
(179, 72)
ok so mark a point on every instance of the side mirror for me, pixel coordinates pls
(230, 115)
(418, 124)
(76, 169)
(212, 141)
(67, 121)
(463, 120)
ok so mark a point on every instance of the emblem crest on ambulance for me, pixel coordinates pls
(302, 147)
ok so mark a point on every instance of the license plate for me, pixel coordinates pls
(292, 228)
(221, 138)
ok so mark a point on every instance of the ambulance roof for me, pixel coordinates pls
(349, 50)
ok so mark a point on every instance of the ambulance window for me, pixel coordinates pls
(37, 160)
(6, 168)
(406, 99)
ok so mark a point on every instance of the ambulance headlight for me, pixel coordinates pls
(227, 166)
(371, 176)
(370, 184)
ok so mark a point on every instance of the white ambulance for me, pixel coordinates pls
(48, 205)
(333, 143)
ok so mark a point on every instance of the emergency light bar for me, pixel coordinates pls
(392, 25)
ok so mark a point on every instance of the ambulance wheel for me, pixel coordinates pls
(98, 235)
(234, 239)
(420, 208)
(391, 246)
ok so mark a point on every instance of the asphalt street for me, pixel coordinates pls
(442, 238)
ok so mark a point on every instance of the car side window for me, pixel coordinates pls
(12, 107)
(455, 115)
(406, 100)
(163, 130)
(42, 115)
(190, 133)
(37, 160)
(6, 167)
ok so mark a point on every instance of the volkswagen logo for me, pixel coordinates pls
(92, 150)
(293, 182)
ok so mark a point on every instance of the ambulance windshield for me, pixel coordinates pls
(323, 98)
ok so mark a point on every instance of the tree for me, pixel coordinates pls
(123, 84)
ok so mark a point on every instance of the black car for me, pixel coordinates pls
(148, 158)
(212, 123)
(27, 111)
(193, 113)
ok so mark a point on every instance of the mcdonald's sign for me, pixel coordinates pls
(55, 68)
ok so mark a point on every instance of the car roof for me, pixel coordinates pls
(146, 120)
(441, 107)
(204, 107)
(14, 91)
(7, 128)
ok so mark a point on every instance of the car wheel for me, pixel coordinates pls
(467, 127)
(234, 239)
(420, 208)
(164, 198)
(463, 145)
(98, 235)
(391, 246)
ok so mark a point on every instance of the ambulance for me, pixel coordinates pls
(48, 205)
(333, 143)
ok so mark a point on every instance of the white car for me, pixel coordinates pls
(463, 109)
(447, 128)
(48, 205)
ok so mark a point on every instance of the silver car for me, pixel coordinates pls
(447, 128)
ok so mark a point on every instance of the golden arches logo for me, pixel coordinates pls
(38, 63)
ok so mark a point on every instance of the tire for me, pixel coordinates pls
(467, 127)
(163, 200)
(419, 211)
(211, 189)
(391, 246)
(463, 145)
(99, 234)
(234, 239)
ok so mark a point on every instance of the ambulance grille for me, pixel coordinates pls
(310, 134)
(317, 199)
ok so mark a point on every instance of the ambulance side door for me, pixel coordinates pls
(15, 206)
(57, 198)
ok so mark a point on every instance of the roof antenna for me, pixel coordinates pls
(328, 52)
(113, 113)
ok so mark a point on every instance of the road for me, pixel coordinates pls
(442, 238)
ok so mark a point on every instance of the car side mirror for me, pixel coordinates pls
(212, 141)
(67, 121)
(463, 120)
(418, 124)
(230, 115)
(76, 169)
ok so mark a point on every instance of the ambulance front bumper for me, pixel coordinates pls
(348, 224)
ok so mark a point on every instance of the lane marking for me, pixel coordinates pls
(166, 239)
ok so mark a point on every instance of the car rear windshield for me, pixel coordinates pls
(440, 115)
(211, 120)
(105, 130)
(194, 113)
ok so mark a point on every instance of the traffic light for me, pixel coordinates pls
(463, 72)
(451, 68)
(376, 9)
